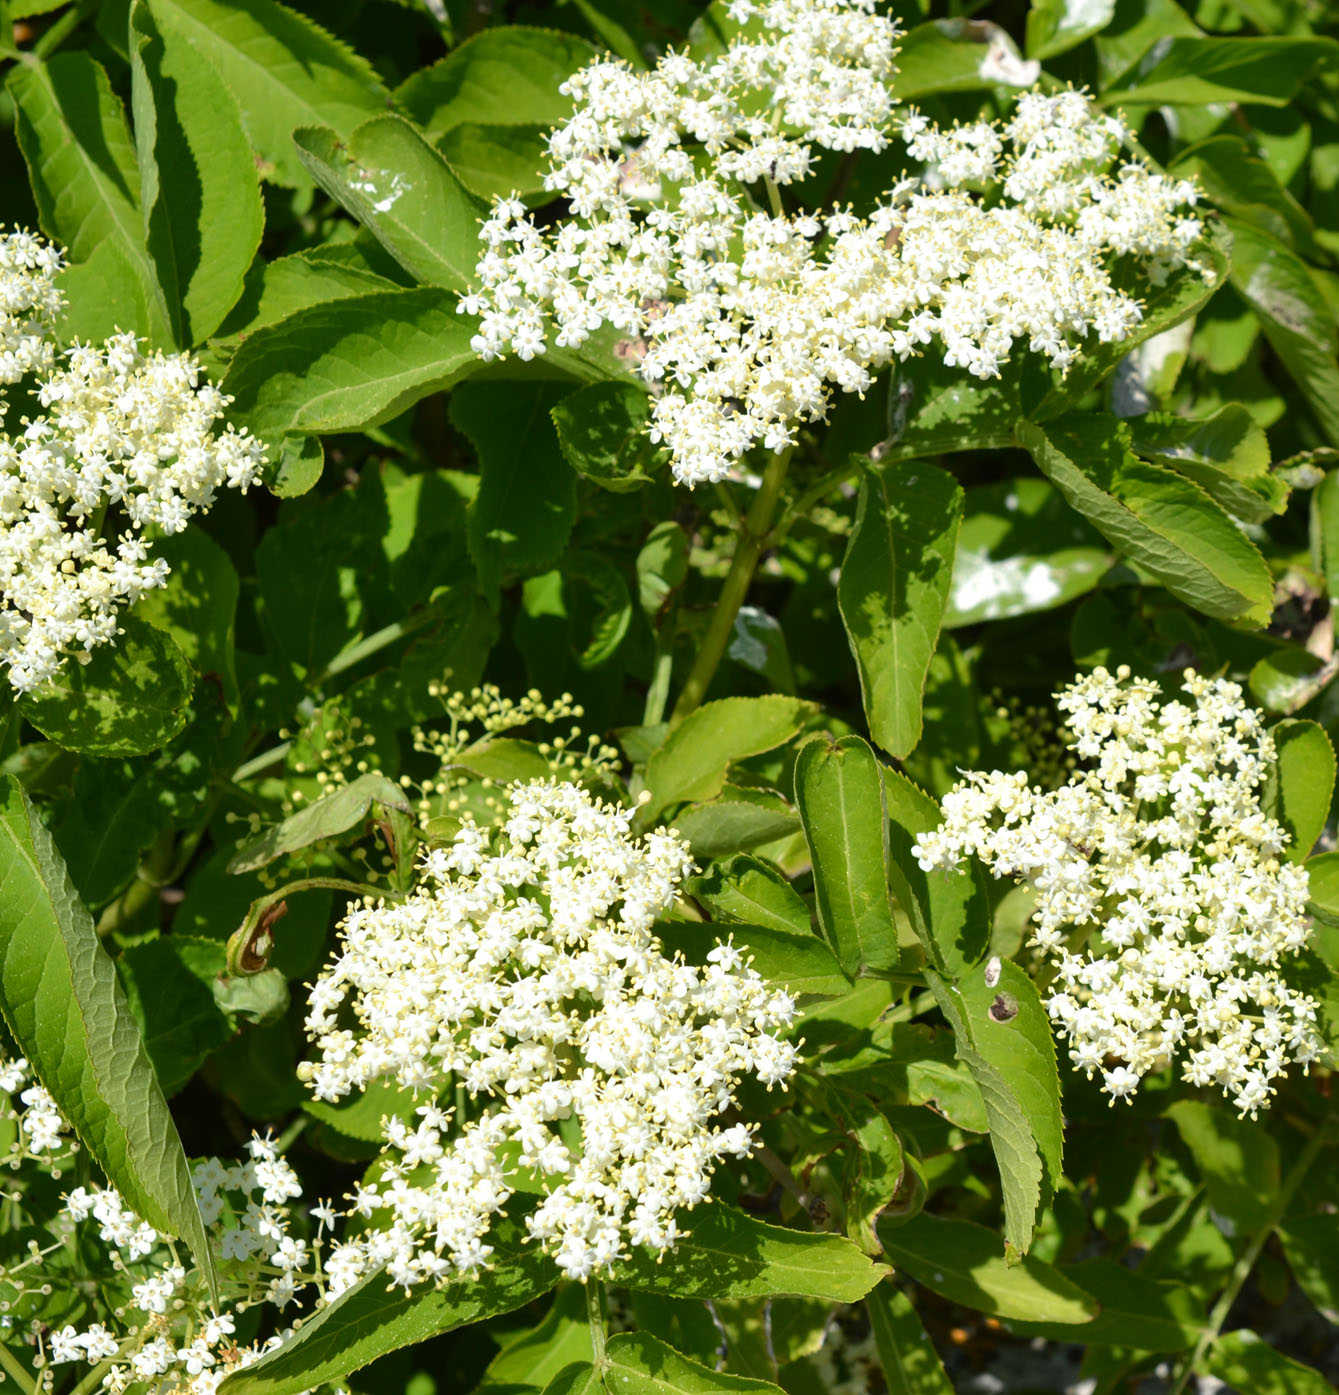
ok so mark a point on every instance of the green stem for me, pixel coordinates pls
(657, 695)
(381, 639)
(261, 762)
(64, 27)
(93, 1379)
(595, 1312)
(1241, 1271)
(16, 1372)
(774, 196)
(754, 539)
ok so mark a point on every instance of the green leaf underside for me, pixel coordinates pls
(69, 1015)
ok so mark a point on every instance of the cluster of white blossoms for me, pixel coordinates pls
(125, 448)
(743, 317)
(30, 304)
(1162, 893)
(524, 970)
(161, 1333)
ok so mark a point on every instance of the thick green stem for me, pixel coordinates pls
(595, 1312)
(374, 643)
(1241, 1271)
(14, 1369)
(754, 539)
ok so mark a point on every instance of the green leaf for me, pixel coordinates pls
(129, 699)
(727, 1254)
(1237, 181)
(198, 606)
(1002, 1036)
(198, 183)
(1311, 1244)
(744, 889)
(640, 1364)
(1238, 1160)
(497, 162)
(872, 1174)
(602, 432)
(950, 909)
(349, 364)
(1163, 522)
(1289, 677)
(175, 1009)
(693, 761)
(507, 76)
(339, 811)
(1136, 1311)
(1056, 26)
(69, 1016)
(72, 131)
(956, 55)
(284, 70)
(1294, 315)
(578, 1378)
(839, 793)
(370, 1319)
(1242, 1360)
(894, 589)
(403, 192)
(1226, 454)
(1325, 530)
(965, 1263)
(359, 1116)
(322, 572)
(522, 515)
(1021, 549)
(740, 819)
(797, 961)
(1192, 72)
(911, 1366)
(1300, 784)
(561, 1340)
(1323, 876)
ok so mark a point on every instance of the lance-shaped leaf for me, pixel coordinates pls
(839, 792)
(1299, 785)
(403, 192)
(693, 761)
(198, 183)
(1002, 1036)
(727, 1254)
(640, 1364)
(894, 590)
(372, 1318)
(965, 1263)
(71, 128)
(1162, 521)
(911, 1366)
(66, 1009)
(337, 812)
(744, 889)
(284, 70)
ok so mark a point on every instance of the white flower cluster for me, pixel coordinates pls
(1162, 894)
(525, 970)
(30, 304)
(742, 317)
(42, 1131)
(174, 1341)
(125, 447)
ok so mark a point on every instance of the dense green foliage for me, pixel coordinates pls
(792, 670)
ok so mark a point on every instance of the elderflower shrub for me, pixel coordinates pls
(124, 451)
(525, 969)
(152, 1327)
(744, 319)
(1162, 895)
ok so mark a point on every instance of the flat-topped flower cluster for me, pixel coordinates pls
(1163, 896)
(743, 316)
(525, 970)
(160, 1334)
(125, 448)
